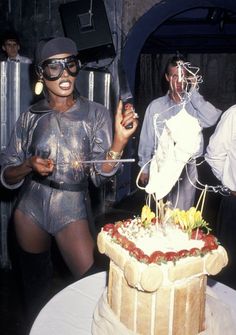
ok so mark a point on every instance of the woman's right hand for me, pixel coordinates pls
(15, 174)
(43, 167)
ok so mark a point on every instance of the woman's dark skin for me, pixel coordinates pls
(74, 241)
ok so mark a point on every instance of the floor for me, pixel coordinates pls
(11, 308)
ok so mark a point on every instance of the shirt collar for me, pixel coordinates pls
(17, 59)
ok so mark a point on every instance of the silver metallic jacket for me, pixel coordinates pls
(81, 134)
(72, 140)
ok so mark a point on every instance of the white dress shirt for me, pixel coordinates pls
(20, 59)
(221, 151)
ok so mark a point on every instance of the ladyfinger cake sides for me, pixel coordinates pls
(158, 273)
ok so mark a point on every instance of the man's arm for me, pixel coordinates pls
(206, 113)
(147, 139)
(220, 144)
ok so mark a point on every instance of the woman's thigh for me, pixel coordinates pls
(76, 245)
(30, 236)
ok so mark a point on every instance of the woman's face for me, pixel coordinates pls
(65, 67)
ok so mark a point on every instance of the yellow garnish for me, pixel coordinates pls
(147, 215)
(189, 220)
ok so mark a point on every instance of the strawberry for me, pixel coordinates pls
(118, 224)
(157, 257)
(154, 220)
(210, 241)
(128, 245)
(127, 222)
(117, 236)
(108, 227)
(182, 253)
(194, 252)
(137, 253)
(197, 234)
(204, 250)
(171, 256)
(144, 259)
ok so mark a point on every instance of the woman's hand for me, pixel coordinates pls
(42, 166)
(122, 120)
(15, 174)
(122, 134)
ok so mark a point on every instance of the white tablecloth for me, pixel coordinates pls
(70, 312)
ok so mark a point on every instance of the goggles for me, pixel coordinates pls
(52, 68)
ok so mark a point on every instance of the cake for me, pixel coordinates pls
(158, 274)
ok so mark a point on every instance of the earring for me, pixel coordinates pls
(38, 87)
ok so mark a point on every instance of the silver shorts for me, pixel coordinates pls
(52, 209)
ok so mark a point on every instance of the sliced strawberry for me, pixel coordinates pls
(137, 253)
(127, 222)
(209, 238)
(124, 240)
(129, 245)
(108, 226)
(211, 244)
(194, 252)
(119, 224)
(182, 253)
(117, 236)
(210, 241)
(197, 234)
(205, 250)
(171, 256)
(157, 257)
(154, 220)
(144, 259)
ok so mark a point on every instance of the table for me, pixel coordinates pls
(70, 312)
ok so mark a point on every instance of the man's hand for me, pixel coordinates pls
(191, 83)
(144, 177)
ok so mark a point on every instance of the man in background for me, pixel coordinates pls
(183, 93)
(11, 47)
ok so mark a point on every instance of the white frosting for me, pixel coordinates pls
(170, 238)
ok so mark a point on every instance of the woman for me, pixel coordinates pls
(45, 157)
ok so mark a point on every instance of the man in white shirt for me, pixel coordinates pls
(11, 47)
(221, 156)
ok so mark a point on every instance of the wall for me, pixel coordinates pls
(36, 19)
(133, 10)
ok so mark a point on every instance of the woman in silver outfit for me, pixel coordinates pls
(46, 158)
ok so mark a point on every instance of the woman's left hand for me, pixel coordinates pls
(123, 132)
(123, 121)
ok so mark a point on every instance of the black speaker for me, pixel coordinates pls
(85, 22)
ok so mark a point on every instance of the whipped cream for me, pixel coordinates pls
(163, 238)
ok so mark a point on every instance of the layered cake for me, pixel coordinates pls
(158, 273)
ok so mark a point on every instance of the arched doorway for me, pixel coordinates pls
(153, 19)
(148, 25)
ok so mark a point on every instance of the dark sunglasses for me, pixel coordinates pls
(52, 68)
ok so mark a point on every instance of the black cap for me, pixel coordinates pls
(53, 46)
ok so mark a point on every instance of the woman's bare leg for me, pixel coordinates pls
(30, 237)
(35, 264)
(77, 247)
